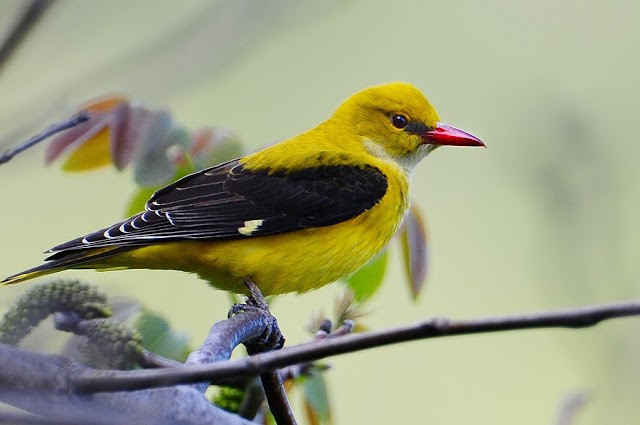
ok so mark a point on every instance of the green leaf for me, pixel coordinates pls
(159, 338)
(142, 195)
(366, 281)
(218, 145)
(316, 399)
(153, 166)
(138, 201)
(229, 399)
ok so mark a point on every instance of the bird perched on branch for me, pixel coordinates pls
(292, 217)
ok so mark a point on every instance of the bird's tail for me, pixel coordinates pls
(67, 259)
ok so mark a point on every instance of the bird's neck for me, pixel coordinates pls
(404, 163)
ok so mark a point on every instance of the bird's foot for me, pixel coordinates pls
(271, 338)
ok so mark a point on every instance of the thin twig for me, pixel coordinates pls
(571, 406)
(252, 400)
(21, 27)
(81, 117)
(260, 363)
(277, 398)
(152, 360)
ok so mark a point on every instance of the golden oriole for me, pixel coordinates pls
(292, 217)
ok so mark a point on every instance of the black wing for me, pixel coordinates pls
(230, 201)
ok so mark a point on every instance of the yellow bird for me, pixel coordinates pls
(293, 217)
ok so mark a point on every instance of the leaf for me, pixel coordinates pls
(127, 126)
(152, 166)
(104, 104)
(159, 338)
(214, 145)
(316, 399)
(93, 153)
(139, 200)
(143, 194)
(229, 399)
(366, 281)
(413, 237)
(89, 143)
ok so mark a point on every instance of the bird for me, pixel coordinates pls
(292, 217)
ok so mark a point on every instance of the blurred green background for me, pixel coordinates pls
(544, 218)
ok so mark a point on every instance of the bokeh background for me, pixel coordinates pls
(544, 218)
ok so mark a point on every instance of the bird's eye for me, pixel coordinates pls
(399, 121)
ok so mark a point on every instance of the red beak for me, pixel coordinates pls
(445, 134)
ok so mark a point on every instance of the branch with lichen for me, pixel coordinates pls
(39, 383)
(35, 382)
(434, 328)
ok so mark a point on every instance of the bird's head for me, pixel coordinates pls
(396, 122)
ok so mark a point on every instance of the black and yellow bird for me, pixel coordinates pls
(292, 217)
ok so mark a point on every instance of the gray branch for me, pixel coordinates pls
(316, 350)
(44, 385)
(63, 390)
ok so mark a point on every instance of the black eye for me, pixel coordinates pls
(399, 121)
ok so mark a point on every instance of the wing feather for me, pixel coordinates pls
(215, 203)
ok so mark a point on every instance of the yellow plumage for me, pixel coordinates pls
(380, 132)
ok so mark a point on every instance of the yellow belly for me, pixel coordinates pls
(293, 262)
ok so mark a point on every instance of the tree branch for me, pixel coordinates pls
(570, 407)
(39, 383)
(53, 386)
(77, 119)
(27, 20)
(271, 339)
(439, 327)
(277, 398)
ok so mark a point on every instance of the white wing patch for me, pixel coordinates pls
(249, 227)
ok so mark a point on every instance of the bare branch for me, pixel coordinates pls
(77, 119)
(24, 23)
(571, 406)
(277, 398)
(572, 318)
(152, 360)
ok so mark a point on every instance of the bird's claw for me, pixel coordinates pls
(271, 338)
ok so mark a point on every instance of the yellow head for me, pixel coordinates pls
(397, 123)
